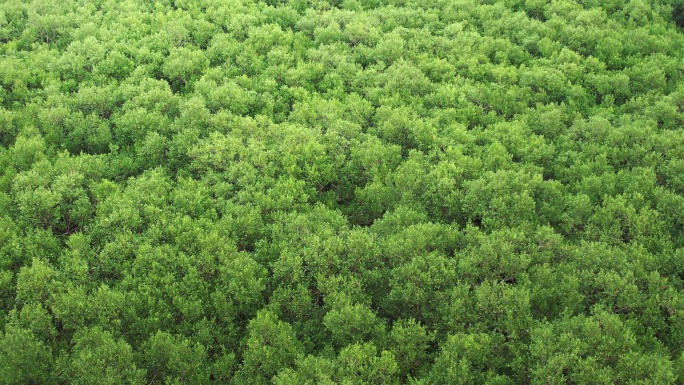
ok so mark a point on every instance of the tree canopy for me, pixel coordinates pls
(341, 192)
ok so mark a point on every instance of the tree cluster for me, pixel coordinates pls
(342, 192)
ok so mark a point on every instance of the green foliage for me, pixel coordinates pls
(173, 360)
(25, 358)
(467, 359)
(271, 347)
(98, 358)
(590, 350)
(341, 192)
